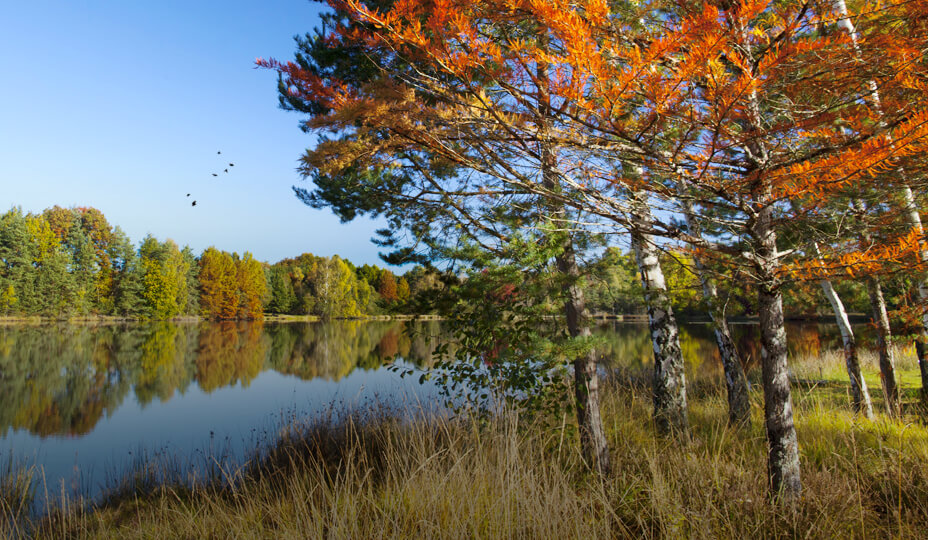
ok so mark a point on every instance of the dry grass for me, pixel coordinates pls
(375, 475)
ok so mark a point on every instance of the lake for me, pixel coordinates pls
(84, 402)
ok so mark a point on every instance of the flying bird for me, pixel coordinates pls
(227, 170)
(214, 174)
(194, 203)
(231, 164)
(188, 194)
(218, 152)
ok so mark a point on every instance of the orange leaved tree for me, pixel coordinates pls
(747, 117)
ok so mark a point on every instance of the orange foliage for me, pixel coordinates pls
(746, 104)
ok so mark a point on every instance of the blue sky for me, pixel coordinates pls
(123, 104)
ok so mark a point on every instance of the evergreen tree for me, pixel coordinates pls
(282, 298)
(16, 286)
(126, 298)
(54, 287)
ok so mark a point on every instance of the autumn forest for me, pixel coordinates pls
(71, 263)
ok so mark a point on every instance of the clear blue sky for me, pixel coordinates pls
(123, 104)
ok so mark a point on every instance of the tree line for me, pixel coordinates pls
(68, 262)
(777, 145)
(72, 262)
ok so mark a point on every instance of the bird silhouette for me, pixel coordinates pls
(214, 174)
(231, 164)
(194, 203)
(226, 170)
(188, 194)
(218, 152)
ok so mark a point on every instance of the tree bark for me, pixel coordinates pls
(669, 380)
(783, 445)
(883, 330)
(860, 396)
(884, 347)
(736, 383)
(739, 402)
(921, 352)
(593, 442)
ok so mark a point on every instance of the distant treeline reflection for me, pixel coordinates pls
(60, 380)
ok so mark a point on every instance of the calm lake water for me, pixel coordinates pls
(84, 402)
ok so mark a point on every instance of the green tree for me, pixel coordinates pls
(282, 298)
(164, 278)
(126, 296)
(190, 299)
(53, 286)
(335, 287)
(614, 285)
(16, 269)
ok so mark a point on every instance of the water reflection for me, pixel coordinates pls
(629, 345)
(62, 380)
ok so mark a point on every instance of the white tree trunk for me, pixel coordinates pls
(669, 382)
(736, 383)
(860, 396)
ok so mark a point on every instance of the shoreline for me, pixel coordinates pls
(6, 320)
(284, 318)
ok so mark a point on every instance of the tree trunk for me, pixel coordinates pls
(860, 396)
(593, 442)
(921, 351)
(884, 346)
(669, 382)
(739, 402)
(783, 445)
(736, 383)
(921, 340)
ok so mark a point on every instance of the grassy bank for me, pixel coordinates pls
(376, 475)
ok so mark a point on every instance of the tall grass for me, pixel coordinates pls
(378, 474)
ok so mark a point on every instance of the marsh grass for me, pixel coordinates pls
(385, 473)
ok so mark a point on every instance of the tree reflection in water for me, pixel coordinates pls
(60, 380)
